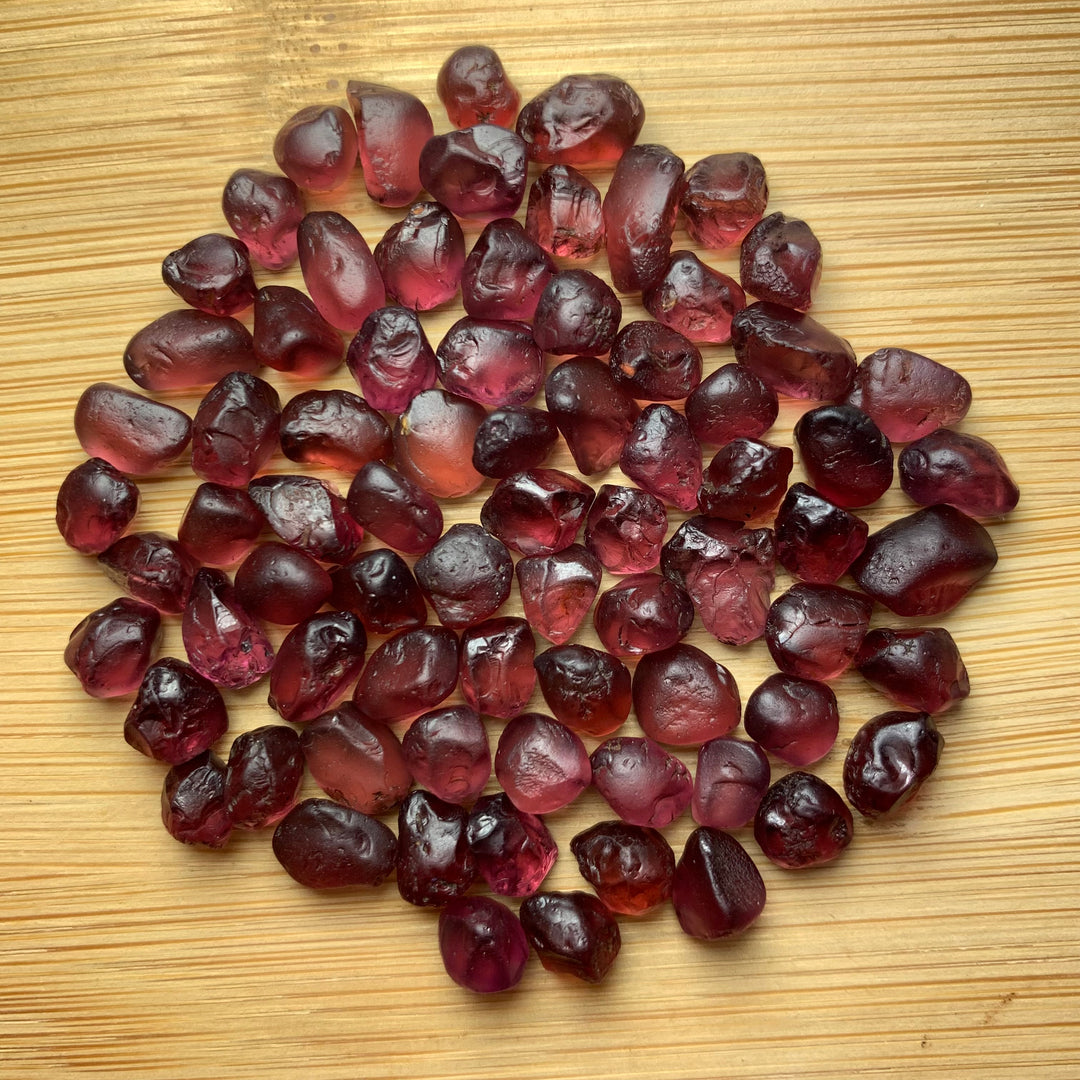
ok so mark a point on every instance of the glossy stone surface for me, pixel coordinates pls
(631, 867)
(793, 718)
(263, 776)
(541, 764)
(816, 540)
(110, 650)
(290, 335)
(578, 313)
(506, 272)
(264, 210)
(694, 299)
(193, 808)
(235, 430)
(380, 588)
(538, 511)
(732, 403)
(643, 613)
(394, 508)
(802, 821)
(433, 443)
(212, 273)
(308, 514)
(497, 674)
(662, 456)
(391, 359)
(845, 455)
(513, 439)
(134, 434)
(641, 781)
(565, 213)
(333, 427)
(573, 933)
(409, 673)
(466, 576)
(964, 471)
(482, 944)
(492, 361)
(513, 850)
(721, 197)
(95, 505)
(557, 590)
(421, 257)
(731, 777)
(434, 864)
(220, 524)
(918, 668)
(316, 147)
(745, 480)
(474, 88)
(625, 528)
(151, 567)
(586, 689)
(278, 584)
(780, 261)
(654, 362)
(447, 750)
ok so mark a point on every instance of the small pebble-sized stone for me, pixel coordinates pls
(220, 524)
(316, 147)
(474, 88)
(264, 210)
(722, 197)
(918, 668)
(625, 529)
(448, 752)
(654, 362)
(577, 313)
(391, 359)
(497, 673)
(211, 273)
(537, 511)
(573, 933)
(732, 403)
(643, 613)
(263, 776)
(586, 689)
(694, 299)
(482, 944)
(395, 509)
(731, 777)
(434, 864)
(380, 588)
(557, 590)
(816, 540)
(513, 849)
(565, 213)
(279, 584)
(110, 650)
(409, 673)
(478, 173)
(466, 576)
(333, 427)
(795, 719)
(421, 257)
(307, 514)
(235, 430)
(290, 335)
(845, 455)
(541, 764)
(662, 456)
(745, 480)
(513, 439)
(780, 261)
(151, 567)
(505, 273)
(641, 781)
(494, 362)
(433, 443)
(964, 471)
(193, 807)
(94, 506)
(802, 821)
(631, 867)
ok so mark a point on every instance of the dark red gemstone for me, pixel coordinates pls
(421, 257)
(492, 361)
(845, 455)
(557, 590)
(193, 806)
(475, 89)
(631, 867)
(409, 673)
(641, 781)
(482, 944)
(220, 524)
(281, 585)
(466, 576)
(795, 719)
(577, 313)
(816, 540)
(731, 403)
(565, 213)
(513, 849)
(391, 359)
(263, 776)
(110, 650)
(134, 434)
(625, 528)
(264, 210)
(694, 299)
(586, 689)
(211, 273)
(722, 196)
(290, 335)
(731, 777)
(433, 443)
(541, 764)
(497, 673)
(512, 439)
(802, 821)
(920, 668)
(308, 514)
(379, 587)
(448, 752)
(316, 147)
(538, 511)
(780, 261)
(717, 891)
(235, 431)
(395, 509)
(643, 613)
(151, 567)
(745, 480)
(962, 470)
(434, 864)
(573, 933)
(505, 273)
(663, 457)
(334, 427)
(654, 362)
(94, 506)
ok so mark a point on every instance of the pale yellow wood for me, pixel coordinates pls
(933, 147)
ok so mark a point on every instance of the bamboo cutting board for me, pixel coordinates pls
(934, 150)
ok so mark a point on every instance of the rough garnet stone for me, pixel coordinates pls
(94, 506)
(631, 867)
(308, 514)
(421, 257)
(211, 273)
(193, 806)
(802, 821)
(448, 753)
(110, 650)
(694, 299)
(746, 479)
(474, 88)
(264, 210)
(722, 196)
(434, 863)
(505, 273)
(538, 511)
(816, 540)
(643, 613)
(663, 457)
(731, 777)
(920, 668)
(492, 361)
(513, 439)
(466, 576)
(290, 335)
(577, 313)
(263, 775)
(394, 508)
(731, 403)
(379, 587)
(793, 718)
(587, 690)
(497, 673)
(541, 764)
(482, 944)
(391, 359)
(625, 529)
(220, 524)
(513, 849)
(151, 567)
(281, 585)
(433, 443)
(573, 933)
(845, 455)
(316, 147)
(409, 673)
(654, 362)
(557, 590)
(334, 427)
(780, 260)
(641, 781)
(565, 213)
(235, 430)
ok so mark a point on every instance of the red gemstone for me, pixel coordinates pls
(316, 147)
(802, 821)
(475, 89)
(334, 427)
(557, 590)
(466, 576)
(491, 361)
(643, 613)
(395, 509)
(816, 540)
(110, 650)
(513, 439)
(409, 673)
(380, 588)
(434, 864)
(94, 506)
(586, 689)
(537, 512)
(795, 719)
(513, 849)
(497, 673)
(448, 752)
(541, 764)
(731, 777)
(845, 455)
(506, 273)
(780, 261)
(722, 197)
(220, 524)
(263, 775)
(654, 362)
(745, 480)
(962, 470)
(391, 359)
(290, 335)
(264, 210)
(663, 457)
(482, 944)
(421, 257)
(433, 443)
(731, 403)
(718, 891)
(573, 933)
(641, 781)
(565, 214)
(631, 867)
(211, 273)
(919, 669)
(235, 431)
(694, 299)
(151, 567)
(193, 806)
(625, 528)
(308, 514)
(577, 312)
(281, 585)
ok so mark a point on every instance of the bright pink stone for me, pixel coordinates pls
(663, 457)
(434, 864)
(654, 362)
(513, 439)
(816, 540)
(577, 312)
(264, 210)
(513, 849)
(421, 257)
(746, 480)
(433, 443)
(780, 261)
(718, 891)
(845, 455)
(211, 273)
(263, 776)
(795, 719)
(641, 781)
(962, 470)
(235, 430)
(475, 89)
(334, 427)
(538, 511)
(731, 777)
(391, 359)
(380, 588)
(291, 336)
(643, 613)
(448, 752)
(220, 524)
(573, 933)
(482, 944)
(478, 172)
(110, 650)
(491, 361)
(541, 764)
(409, 673)
(151, 567)
(466, 576)
(631, 867)
(308, 514)
(497, 673)
(919, 669)
(557, 590)
(193, 808)
(694, 299)
(565, 213)
(732, 403)
(586, 689)
(393, 508)
(316, 147)
(280, 584)
(506, 273)
(802, 821)
(625, 528)
(722, 197)
(94, 506)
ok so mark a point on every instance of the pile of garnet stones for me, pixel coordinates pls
(369, 722)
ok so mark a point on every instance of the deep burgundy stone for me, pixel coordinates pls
(110, 650)
(220, 524)
(308, 514)
(193, 806)
(557, 590)
(264, 210)
(565, 213)
(513, 849)
(316, 147)
(447, 750)
(731, 403)
(434, 864)
(466, 576)
(505, 273)
(717, 891)
(334, 427)
(816, 540)
(663, 457)
(290, 335)
(643, 613)
(512, 439)
(694, 299)
(722, 196)
(134, 434)
(577, 312)
(573, 933)
(235, 430)
(151, 567)
(409, 673)
(433, 443)
(474, 88)
(497, 673)
(421, 257)
(379, 587)
(391, 359)
(780, 261)
(845, 455)
(920, 668)
(654, 362)
(802, 821)
(625, 528)
(95, 505)
(541, 764)
(586, 689)
(731, 777)
(961, 470)
(631, 867)
(263, 775)
(395, 509)
(281, 585)
(482, 944)
(641, 781)
(538, 511)
(211, 273)
(492, 361)
(745, 480)
(795, 719)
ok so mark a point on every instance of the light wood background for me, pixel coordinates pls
(934, 149)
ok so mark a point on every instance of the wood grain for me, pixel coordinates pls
(934, 149)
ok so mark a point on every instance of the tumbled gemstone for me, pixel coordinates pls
(663, 457)
(654, 362)
(466, 576)
(802, 821)
(235, 430)
(505, 273)
(433, 443)
(110, 650)
(475, 89)
(391, 359)
(625, 528)
(421, 257)
(920, 668)
(631, 867)
(193, 806)
(134, 434)
(959, 469)
(643, 613)
(324, 845)
(577, 313)
(694, 299)
(796, 719)
(448, 752)
(187, 348)
(392, 127)
(813, 631)
(565, 213)
(434, 863)
(263, 775)
(394, 508)
(220, 524)
(792, 353)
(746, 479)
(151, 567)
(482, 944)
(641, 781)
(492, 361)
(355, 760)
(780, 261)
(409, 673)
(513, 439)
(211, 273)
(845, 455)
(594, 413)
(280, 584)
(290, 335)
(573, 933)
(339, 270)
(513, 849)
(925, 563)
(717, 891)
(889, 759)
(316, 147)
(264, 210)
(538, 511)
(308, 514)
(816, 540)
(333, 427)
(95, 505)
(316, 664)
(731, 777)
(223, 642)
(478, 172)
(380, 588)
(582, 120)
(557, 590)
(732, 403)
(908, 395)
(683, 697)
(541, 764)
(497, 673)
(586, 689)
(722, 197)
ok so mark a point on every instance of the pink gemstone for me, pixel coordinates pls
(421, 257)
(845, 455)
(433, 443)
(290, 335)
(475, 89)
(722, 197)
(409, 673)
(110, 650)
(557, 590)
(625, 528)
(732, 776)
(482, 944)
(577, 312)
(308, 514)
(491, 361)
(795, 719)
(962, 470)
(538, 511)
(731, 403)
(586, 689)
(641, 781)
(193, 808)
(643, 613)
(220, 524)
(694, 299)
(478, 172)
(235, 430)
(264, 210)
(505, 273)
(565, 213)
(316, 147)
(263, 776)
(466, 576)
(151, 567)
(448, 752)
(94, 506)
(631, 867)
(780, 261)
(391, 359)
(745, 481)
(816, 540)
(663, 457)
(211, 273)
(513, 439)
(919, 669)
(434, 864)
(393, 508)
(802, 821)
(279, 584)
(718, 891)
(541, 764)
(380, 588)
(572, 933)
(513, 849)
(654, 362)
(497, 673)
(334, 427)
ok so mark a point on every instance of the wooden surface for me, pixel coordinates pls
(933, 148)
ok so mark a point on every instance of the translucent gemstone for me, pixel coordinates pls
(565, 213)
(193, 808)
(573, 933)
(327, 846)
(315, 664)
(187, 348)
(316, 147)
(466, 576)
(355, 760)
(919, 668)
(717, 891)
(291, 336)
(722, 196)
(409, 673)
(220, 524)
(395, 509)
(448, 752)
(391, 359)
(421, 257)
(94, 506)
(513, 439)
(802, 821)
(731, 777)
(745, 480)
(908, 395)
(478, 172)
(962, 470)
(557, 590)
(625, 528)
(492, 361)
(795, 719)
(380, 588)
(732, 403)
(845, 455)
(482, 944)
(582, 120)
(538, 511)
(594, 413)
(334, 427)
(505, 273)
(177, 714)
(264, 210)
(643, 613)
(641, 781)
(211, 273)
(497, 673)
(475, 89)
(925, 563)
(434, 864)
(151, 567)
(308, 514)
(110, 650)
(223, 642)
(654, 362)
(433, 443)
(694, 299)
(263, 775)
(631, 867)
(816, 540)
(235, 430)
(586, 689)
(663, 457)
(683, 697)
(541, 764)
(780, 261)
(392, 127)
(513, 849)
(889, 759)
(339, 270)
(577, 313)
(134, 434)
(813, 631)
